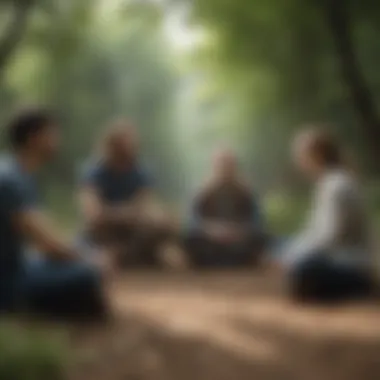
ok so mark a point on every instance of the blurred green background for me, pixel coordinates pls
(194, 74)
(190, 75)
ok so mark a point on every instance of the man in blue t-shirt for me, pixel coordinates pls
(117, 202)
(54, 280)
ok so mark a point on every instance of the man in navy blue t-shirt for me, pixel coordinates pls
(116, 201)
(55, 279)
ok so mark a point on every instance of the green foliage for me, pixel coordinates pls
(279, 60)
(284, 213)
(263, 69)
(93, 64)
(31, 355)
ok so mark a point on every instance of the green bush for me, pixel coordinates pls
(284, 214)
(27, 354)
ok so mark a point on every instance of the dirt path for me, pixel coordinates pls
(226, 327)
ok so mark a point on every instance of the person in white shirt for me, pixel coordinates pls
(330, 259)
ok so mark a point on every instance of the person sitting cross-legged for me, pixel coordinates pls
(118, 205)
(226, 227)
(39, 271)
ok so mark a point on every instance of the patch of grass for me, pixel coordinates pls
(30, 354)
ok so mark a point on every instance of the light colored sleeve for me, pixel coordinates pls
(324, 226)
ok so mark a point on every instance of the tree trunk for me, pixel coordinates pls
(338, 18)
(13, 34)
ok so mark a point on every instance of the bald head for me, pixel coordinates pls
(225, 164)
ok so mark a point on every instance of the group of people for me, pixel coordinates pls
(123, 223)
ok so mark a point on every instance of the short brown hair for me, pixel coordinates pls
(323, 146)
(27, 123)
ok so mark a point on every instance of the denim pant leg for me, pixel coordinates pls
(62, 288)
(10, 297)
(318, 278)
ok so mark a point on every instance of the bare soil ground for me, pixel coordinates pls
(225, 326)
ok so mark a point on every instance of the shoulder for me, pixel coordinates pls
(244, 187)
(15, 187)
(143, 174)
(9, 176)
(208, 187)
(142, 169)
(339, 183)
(91, 169)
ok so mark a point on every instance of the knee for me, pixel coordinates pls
(88, 276)
(96, 228)
(157, 234)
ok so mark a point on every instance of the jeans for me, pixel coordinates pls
(9, 292)
(54, 288)
(318, 278)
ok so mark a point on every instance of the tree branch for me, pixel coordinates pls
(338, 17)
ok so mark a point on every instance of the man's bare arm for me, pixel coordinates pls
(90, 205)
(97, 213)
(37, 228)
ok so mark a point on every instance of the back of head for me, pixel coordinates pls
(323, 146)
